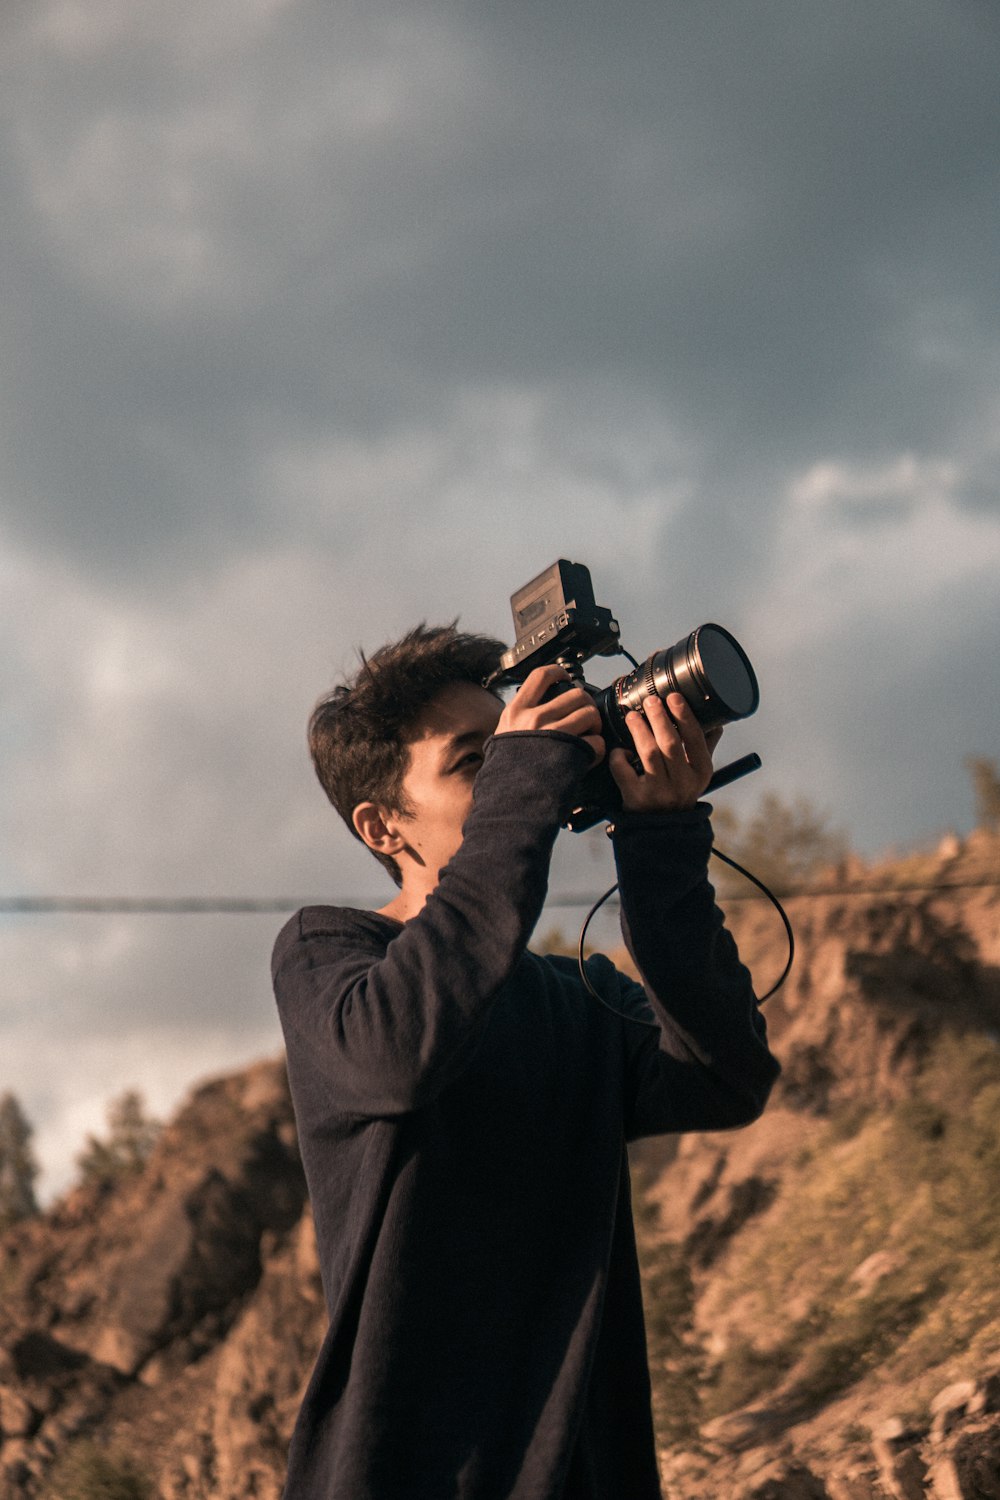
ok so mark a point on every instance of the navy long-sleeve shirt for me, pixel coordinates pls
(463, 1107)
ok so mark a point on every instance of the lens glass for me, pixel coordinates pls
(727, 672)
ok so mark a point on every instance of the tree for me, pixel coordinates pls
(986, 789)
(18, 1168)
(784, 843)
(131, 1137)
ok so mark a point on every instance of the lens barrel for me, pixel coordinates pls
(713, 674)
(709, 668)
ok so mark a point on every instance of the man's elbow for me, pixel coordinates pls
(750, 1099)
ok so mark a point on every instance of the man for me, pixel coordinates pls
(464, 1105)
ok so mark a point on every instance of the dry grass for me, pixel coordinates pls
(912, 1192)
(88, 1471)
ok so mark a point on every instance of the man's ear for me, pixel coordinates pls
(376, 828)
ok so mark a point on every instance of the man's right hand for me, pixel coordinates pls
(571, 710)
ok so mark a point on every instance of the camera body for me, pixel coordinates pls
(556, 619)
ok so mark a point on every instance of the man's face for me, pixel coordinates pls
(446, 752)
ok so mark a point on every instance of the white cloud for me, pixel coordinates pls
(906, 478)
(505, 474)
(65, 1090)
(877, 624)
(84, 29)
(161, 751)
(875, 543)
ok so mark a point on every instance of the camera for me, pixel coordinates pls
(556, 619)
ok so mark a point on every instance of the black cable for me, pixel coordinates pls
(733, 865)
(781, 913)
(184, 906)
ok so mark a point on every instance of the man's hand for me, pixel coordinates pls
(675, 754)
(572, 711)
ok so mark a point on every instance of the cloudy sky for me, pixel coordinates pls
(322, 318)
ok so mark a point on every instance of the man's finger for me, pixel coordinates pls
(574, 718)
(646, 742)
(692, 736)
(622, 769)
(568, 702)
(663, 725)
(669, 739)
(539, 681)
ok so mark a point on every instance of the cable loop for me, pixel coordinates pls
(638, 1020)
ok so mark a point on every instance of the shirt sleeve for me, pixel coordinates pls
(705, 1064)
(389, 1028)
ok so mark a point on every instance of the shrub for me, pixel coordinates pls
(859, 1338)
(744, 1373)
(674, 1352)
(86, 1471)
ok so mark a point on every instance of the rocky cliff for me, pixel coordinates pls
(822, 1290)
(822, 1296)
(173, 1317)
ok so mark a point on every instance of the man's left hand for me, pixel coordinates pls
(675, 754)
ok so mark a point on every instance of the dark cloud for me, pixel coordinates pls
(745, 220)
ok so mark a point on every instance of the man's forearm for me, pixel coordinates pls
(702, 993)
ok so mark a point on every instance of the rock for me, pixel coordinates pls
(180, 1243)
(191, 1467)
(261, 1373)
(16, 1470)
(906, 1477)
(943, 1479)
(149, 1275)
(738, 1431)
(138, 1313)
(859, 1482)
(949, 1405)
(710, 1235)
(784, 1480)
(684, 1473)
(874, 1269)
(902, 1471)
(18, 1417)
(989, 1392)
(39, 1356)
(975, 1458)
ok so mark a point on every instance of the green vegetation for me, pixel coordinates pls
(917, 1185)
(675, 1360)
(986, 790)
(785, 844)
(879, 1253)
(87, 1471)
(130, 1139)
(831, 1348)
(18, 1168)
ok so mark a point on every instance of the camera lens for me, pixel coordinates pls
(709, 669)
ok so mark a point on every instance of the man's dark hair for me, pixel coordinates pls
(359, 733)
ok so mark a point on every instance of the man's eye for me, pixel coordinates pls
(474, 758)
